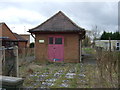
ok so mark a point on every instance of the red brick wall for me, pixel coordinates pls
(22, 44)
(6, 32)
(41, 49)
(71, 47)
(27, 37)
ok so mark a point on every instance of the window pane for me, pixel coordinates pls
(117, 48)
(58, 40)
(50, 40)
(117, 44)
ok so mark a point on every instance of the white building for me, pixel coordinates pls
(115, 44)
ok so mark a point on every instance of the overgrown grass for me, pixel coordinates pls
(107, 63)
(91, 79)
(89, 50)
(102, 75)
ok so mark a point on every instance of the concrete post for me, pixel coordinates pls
(2, 59)
(11, 83)
(16, 61)
(109, 44)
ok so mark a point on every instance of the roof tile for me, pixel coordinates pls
(57, 23)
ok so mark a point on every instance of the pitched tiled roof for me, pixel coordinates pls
(57, 23)
(19, 38)
(1, 23)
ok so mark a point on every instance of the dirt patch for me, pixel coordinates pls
(32, 66)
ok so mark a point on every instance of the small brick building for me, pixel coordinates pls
(58, 39)
(9, 39)
(27, 37)
(22, 42)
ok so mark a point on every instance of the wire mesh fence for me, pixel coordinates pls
(12, 57)
(9, 60)
(26, 55)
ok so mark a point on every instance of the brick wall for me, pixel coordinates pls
(22, 44)
(6, 32)
(27, 37)
(71, 47)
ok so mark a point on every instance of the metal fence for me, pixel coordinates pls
(26, 55)
(9, 60)
(12, 57)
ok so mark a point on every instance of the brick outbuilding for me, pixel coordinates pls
(58, 39)
(10, 39)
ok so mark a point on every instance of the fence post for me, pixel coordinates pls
(3, 61)
(0, 61)
(15, 48)
(109, 44)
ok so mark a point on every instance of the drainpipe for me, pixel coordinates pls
(80, 42)
(80, 50)
(32, 35)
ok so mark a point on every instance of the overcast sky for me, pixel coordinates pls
(21, 15)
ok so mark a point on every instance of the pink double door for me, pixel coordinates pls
(56, 48)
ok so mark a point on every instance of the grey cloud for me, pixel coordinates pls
(84, 13)
(95, 12)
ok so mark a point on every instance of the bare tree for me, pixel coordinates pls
(95, 33)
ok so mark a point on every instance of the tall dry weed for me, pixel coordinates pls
(107, 62)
